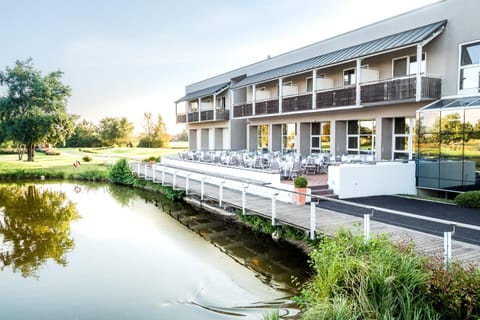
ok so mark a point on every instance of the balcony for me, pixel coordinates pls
(193, 116)
(297, 103)
(336, 98)
(181, 118)
(242, 110)
(400, 89)
(266, 107)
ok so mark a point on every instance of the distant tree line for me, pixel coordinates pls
(33, 112)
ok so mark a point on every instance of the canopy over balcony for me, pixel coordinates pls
(217, 89)
(398, 41)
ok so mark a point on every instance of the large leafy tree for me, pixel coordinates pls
(115, 131)
(85, 134)
(155, 135)
(33, 109)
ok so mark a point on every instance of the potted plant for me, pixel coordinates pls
(300, 184)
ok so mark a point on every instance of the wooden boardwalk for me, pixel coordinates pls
(258, 201)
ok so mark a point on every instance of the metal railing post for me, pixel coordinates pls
(220, 193)
(202, 188)
(447, 246)
(174, 180)
(312, 220)
(187, 183)
(244, 197)
(366, 225)
(274, 208)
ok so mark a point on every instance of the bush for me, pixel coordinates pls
(52, 152)
(300, 182)
(87, 158)
(470, 199)
(152, 158)
(120, 173)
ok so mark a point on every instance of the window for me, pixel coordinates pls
(289, 133)
(408, 65)
(469, 72)
(320, 137)
(403, 135)
(194, 106)
(262, 137)
(309, 84)
(349, 77)
(361, 136)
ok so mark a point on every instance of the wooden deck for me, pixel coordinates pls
(261, 200)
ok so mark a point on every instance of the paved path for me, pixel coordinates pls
(327, 221)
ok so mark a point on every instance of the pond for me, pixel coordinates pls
(95, 251)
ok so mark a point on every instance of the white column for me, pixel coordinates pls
(214, 107)
(358, 73)
(199, 108)
(418, 91)
(254, 97)
(314, 89)
(280, 94)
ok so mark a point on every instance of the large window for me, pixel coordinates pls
(408, 65)
(361, 136)
(289, 133)
(403, 135)
(320, 137)
(349, 77)
(469, 72)
(262, 137)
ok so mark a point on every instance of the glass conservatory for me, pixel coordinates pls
(448, 144)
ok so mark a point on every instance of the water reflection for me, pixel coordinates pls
(34, 227)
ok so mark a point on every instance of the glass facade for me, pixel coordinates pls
(320, 137)
(289, 133)
(361, 136)
(262, 137)
(448, 144)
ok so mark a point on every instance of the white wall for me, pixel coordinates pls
(361, 180)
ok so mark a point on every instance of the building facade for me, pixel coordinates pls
(357, 93)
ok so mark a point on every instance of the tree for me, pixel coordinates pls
(156, 135)
(85, 134)
(114, 131)
(182, 136)
(35, 227)
(33, 109)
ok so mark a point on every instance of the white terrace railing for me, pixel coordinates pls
(158, 173)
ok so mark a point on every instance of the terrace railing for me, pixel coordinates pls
(242, 110)
(297, 103)
(266, 107)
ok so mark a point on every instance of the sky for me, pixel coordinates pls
(122, 58)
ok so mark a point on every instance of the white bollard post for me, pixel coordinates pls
(220, 193)
(447, 248)
(312, 220)
(187, 184)
(274, 209)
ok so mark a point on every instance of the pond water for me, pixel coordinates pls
(95, 251)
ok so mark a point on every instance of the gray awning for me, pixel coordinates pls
(449, 103)
(219, 88)
(400, 40)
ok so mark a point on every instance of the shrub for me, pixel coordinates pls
(152, 158)
(469, 199)
(120, 173)
(300, 182)
(52, 152)
(87, 158)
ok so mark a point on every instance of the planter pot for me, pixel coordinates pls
(300, 198)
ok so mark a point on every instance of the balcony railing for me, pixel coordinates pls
(242, 110)
(336, 98)
(206, 115)
(181, 118)
(297, 103)
(223, 115)
(400, 89)
(193, 116)
(266, 107)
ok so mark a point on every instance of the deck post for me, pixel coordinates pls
(153, 173)
(187, 183)
(138, 168)
(202, 187)
(244, 197)
(145, 172)
(174, 180)
(366, 227)
(274, 209)
(312, 220)
(163, 176)
(220, 193)
(447, 246)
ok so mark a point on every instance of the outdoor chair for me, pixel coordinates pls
(310, 166)
(296, 170)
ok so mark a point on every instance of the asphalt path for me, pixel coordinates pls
(418, 207)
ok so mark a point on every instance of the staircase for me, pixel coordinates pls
(322, 190)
